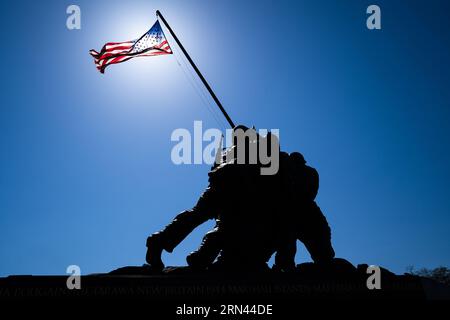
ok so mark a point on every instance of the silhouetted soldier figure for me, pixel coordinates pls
(303, 218)
(264, 205)
(297, 218)
(240, 199)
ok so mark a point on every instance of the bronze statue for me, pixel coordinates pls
(256, 215)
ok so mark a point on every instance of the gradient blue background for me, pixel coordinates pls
(85, 169)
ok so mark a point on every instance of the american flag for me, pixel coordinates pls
(152, 43)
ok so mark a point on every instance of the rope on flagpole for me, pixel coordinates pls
(193, 81)
(194, 66)
(201, 94)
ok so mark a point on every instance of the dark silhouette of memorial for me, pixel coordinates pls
(257, 216)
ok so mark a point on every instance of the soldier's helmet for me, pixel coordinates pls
(240, 127)
(268, 142)
(237, 161)
(243, 139)
(242, 130)
(297, 157)
(245, 145)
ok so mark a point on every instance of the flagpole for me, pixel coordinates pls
(211, 92)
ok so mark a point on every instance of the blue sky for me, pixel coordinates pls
(85, 169)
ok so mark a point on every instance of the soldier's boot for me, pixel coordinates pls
(154, 251)
(197, 260)
(167, 239)
(283, 263)
(285, 253)
(208, 251)
(321, 250)
(318, 238)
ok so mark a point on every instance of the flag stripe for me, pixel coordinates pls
(152, 43)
